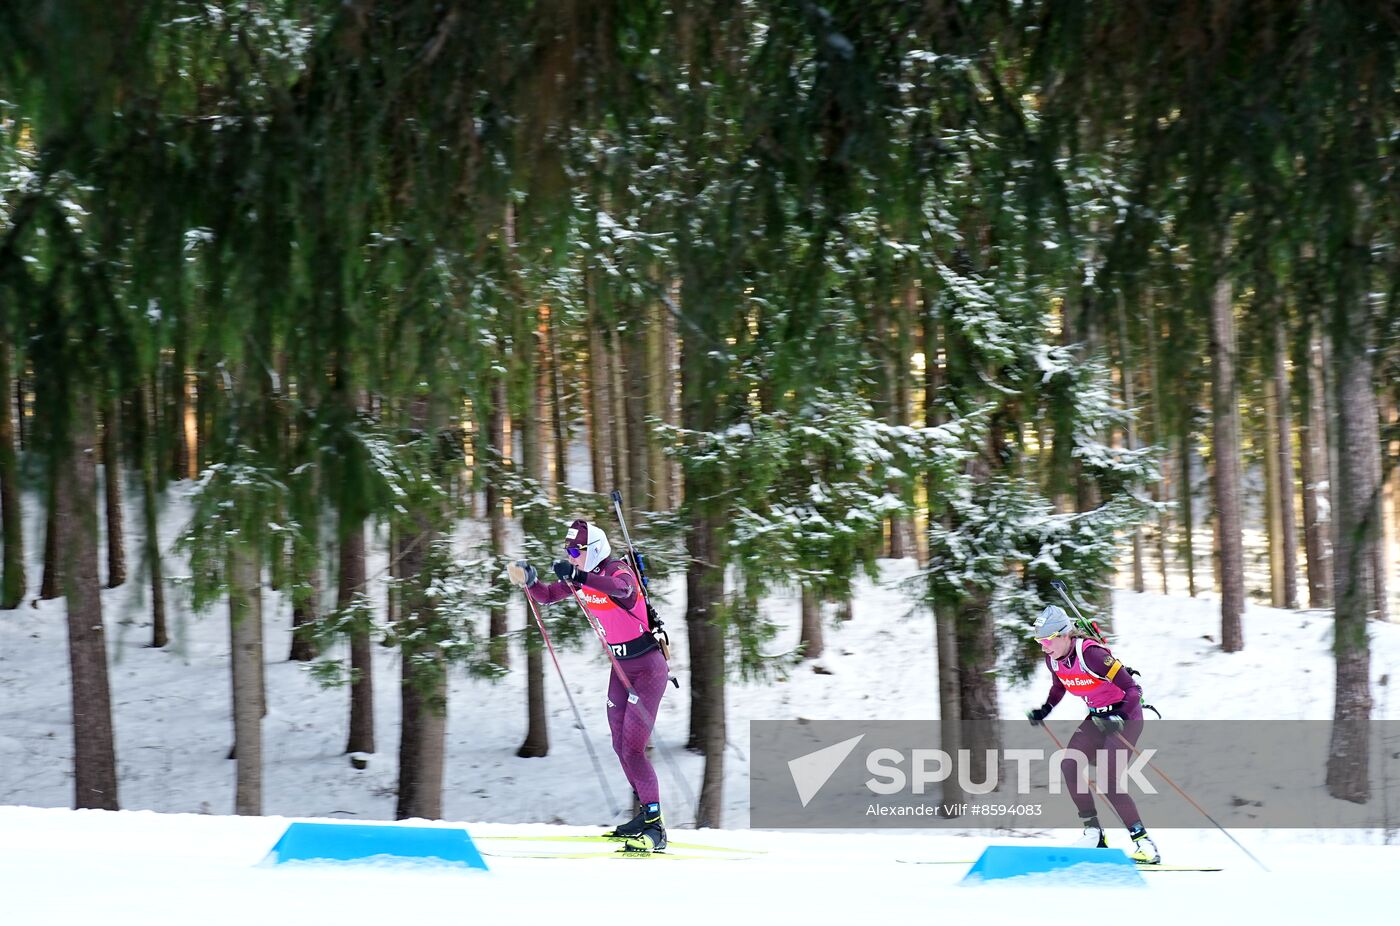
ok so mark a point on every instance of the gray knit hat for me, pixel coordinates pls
(1053, 621)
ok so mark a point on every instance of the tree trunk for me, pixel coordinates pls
(945, 629)
(1126, 373)
(556, 408)
(1267, 441)
(657, 390)
(94, 749)
(12, 579)
(599, 407)
(180, 452)
(496, 515)
(534, 523)
(1356, 534)
(306, 599)
(146, 417)
(1226, 465)
(1160, 430)
(618, 434)
(1313, 459)
(245, 639)
(1284, 430)
(204, 411)
(704, 600)
(977, 693)
(350, 587)
(703, 376)
(112, 492)
(306, 564)
(670, 387)
(810, 643)
(635, 378)
(901, 526)
(1185, 500)
(51, 586)
(21, 423)
(423, 685)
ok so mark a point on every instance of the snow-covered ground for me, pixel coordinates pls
(190, 861)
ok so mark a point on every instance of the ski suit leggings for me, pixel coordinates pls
(631, 723)
(1088, 740)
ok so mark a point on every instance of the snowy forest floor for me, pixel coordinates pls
(173, 731)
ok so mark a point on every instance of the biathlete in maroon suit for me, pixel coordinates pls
(1086, 668)
(610, 592)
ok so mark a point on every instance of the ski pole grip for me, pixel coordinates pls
(616, 497)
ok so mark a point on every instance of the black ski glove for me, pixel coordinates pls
(1108, 723)
(568, 572)
(1037, 716)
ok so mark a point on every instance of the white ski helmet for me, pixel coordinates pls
(1053, 621)
(590, 539)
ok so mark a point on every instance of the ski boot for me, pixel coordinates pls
(652, 835)
(1144, 849)
(1093, 837)
(629, 830)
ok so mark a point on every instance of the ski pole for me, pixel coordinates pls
(1198, 807)
(1092, 783)
(578, 718)
(626, 536)
(633, 698)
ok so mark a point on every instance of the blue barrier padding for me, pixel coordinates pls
(346, 842)
(1014, 861)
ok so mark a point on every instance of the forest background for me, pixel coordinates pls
(1003, 287)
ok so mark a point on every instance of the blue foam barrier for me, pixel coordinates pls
(1103, 865)
(348, 842)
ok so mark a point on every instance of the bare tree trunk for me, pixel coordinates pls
(306, 600)
(112, 492)
(1226, 458)
(600, 408)
(351, 587)
(495, 513)
(51, 586)
(21, 423)
(534, 523)
(1316, 507)
(12, 579)
(1160, 430)
(1185, 502)
(634, 377)
(618, 434)
(204, 405)
(423, 734)
(245, 639)
(1284, 430)
(180, 455)
(670, 387)
(1357, 531)
(902, 543)
(660, 376)
(94, 749)
(1267, 440)
(1126, 373)
(423, 685)
(704, 598)
(556, 409)
(977, 693)
(810, 643)
(146, 416)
